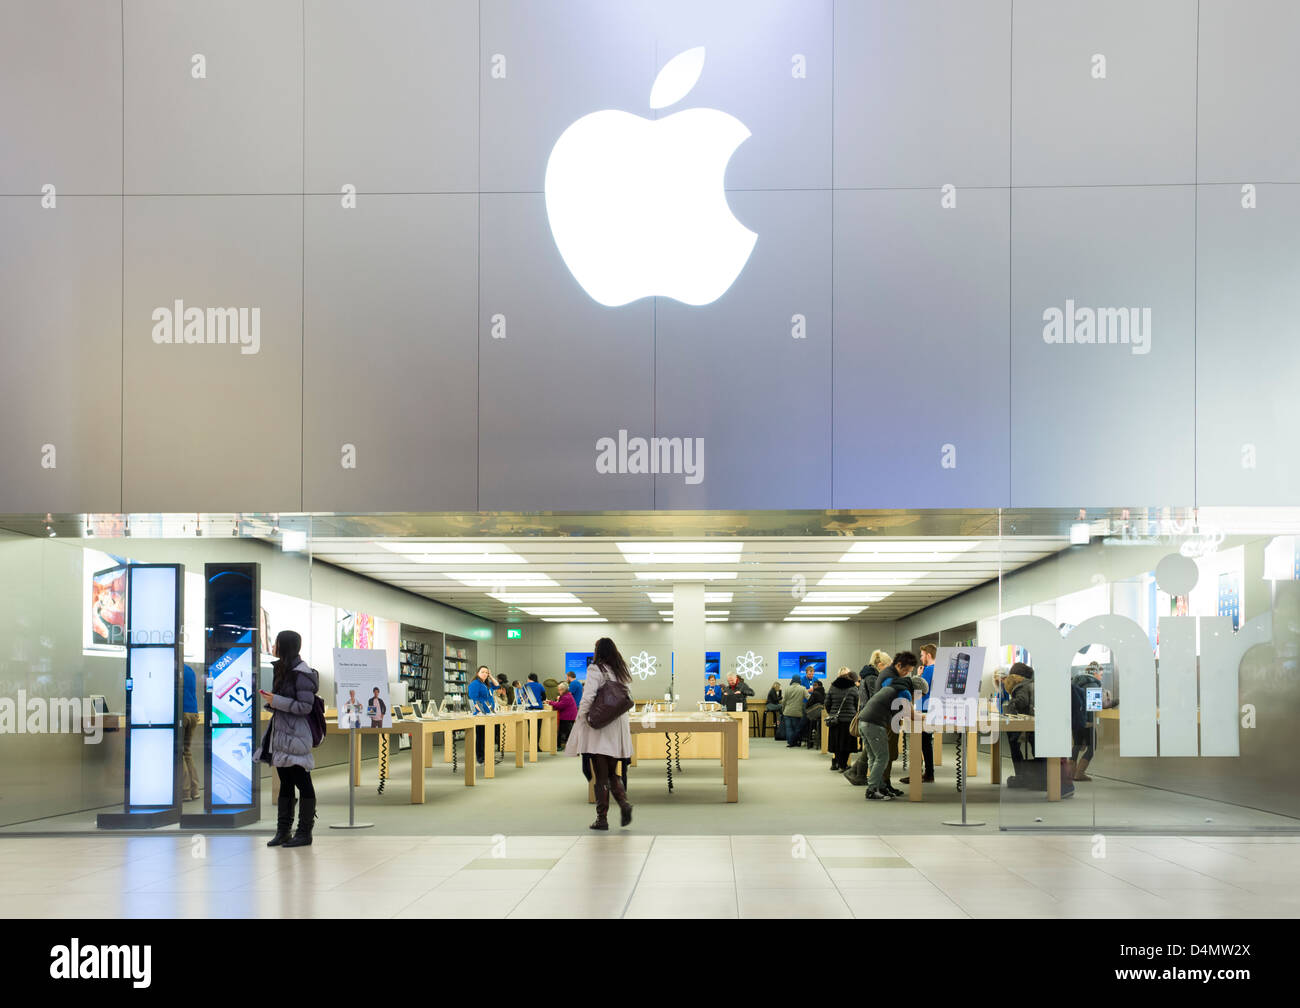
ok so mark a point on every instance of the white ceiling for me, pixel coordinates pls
(772, 575)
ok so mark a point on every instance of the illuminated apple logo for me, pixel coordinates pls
(637, 206)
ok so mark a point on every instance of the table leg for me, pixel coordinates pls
(972, 754)
(519, 741)
(356, 758)
(490, 750)
(471, 756)
(938, 749)
(419, 750)
(995, 757)
(730, 762)
(534, 730)
(914, 772)
(1054, 779)
(552, 735)
(448, 740)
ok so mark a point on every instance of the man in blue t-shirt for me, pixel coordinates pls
(575, 687)
(189, 722)
(534, 692)
(928, 652)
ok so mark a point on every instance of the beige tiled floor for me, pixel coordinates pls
(633, 875)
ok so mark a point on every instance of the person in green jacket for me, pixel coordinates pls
(792, 712)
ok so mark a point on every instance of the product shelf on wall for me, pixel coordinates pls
(413, 666)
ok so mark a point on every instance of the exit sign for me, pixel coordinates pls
(514, 633)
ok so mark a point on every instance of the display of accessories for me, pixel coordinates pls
(413, 668)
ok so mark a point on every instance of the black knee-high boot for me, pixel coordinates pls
(306, 818)
(283, 818)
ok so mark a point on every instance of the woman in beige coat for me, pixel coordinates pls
(604, 747)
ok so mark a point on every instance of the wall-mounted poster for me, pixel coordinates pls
(356, 630)
(107, 620)
(807, 665)
(361, 688)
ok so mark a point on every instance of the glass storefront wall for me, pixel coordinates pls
(1182, 627)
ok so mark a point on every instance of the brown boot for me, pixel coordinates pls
(620, 796)
(1081, 770)
(602, 808)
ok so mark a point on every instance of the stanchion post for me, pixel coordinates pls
(352, 796)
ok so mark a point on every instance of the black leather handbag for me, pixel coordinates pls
(611, 702)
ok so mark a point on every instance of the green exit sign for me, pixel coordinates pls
(514, 633)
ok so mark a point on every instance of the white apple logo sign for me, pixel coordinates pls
(637, 206)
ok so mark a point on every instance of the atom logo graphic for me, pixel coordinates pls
(643, 665)
(749, 665)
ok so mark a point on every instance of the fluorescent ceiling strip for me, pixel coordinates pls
(676, 558)
(560, 611)
(695, 549)
(707, 612)
(803, 610)
(442, 554)
(845, 577)
(815, 598)
(536, 598)
(574, 619)
(815, 619)
(666, 598)
(686, 575)
(501, 579)
(913, 551)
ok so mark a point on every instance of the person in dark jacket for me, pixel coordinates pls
(288, 741)
(1082, 723)
(1030, 773)
(841, 705)
(814, 708)
(898, 684)
(880, 660)
(734, 692)
(1019, 687)
(774, 697)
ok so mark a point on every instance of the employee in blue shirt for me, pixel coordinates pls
(189, 721)
(534, 692)
(713, 690)
(575, 687)
(482, 700)
(927, 738)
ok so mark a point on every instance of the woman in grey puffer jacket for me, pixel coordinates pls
(287, 744)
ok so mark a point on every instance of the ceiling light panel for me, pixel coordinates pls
(847, 577)
(666, 598)
(536, 598)
(446, 554)
(815, 598)
(499, 579)
(560, 611)
(686, 575)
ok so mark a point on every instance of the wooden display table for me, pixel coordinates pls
(543, 729)
(706, 745)
(1004, 723)
(421, 733)
(729, 729)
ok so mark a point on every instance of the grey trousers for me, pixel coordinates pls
(876, 739)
